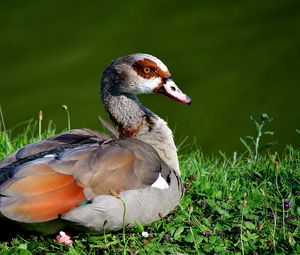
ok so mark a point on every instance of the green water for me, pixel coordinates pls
(234, 58)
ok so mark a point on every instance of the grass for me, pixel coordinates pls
(245, 204)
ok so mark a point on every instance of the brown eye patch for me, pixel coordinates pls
(148, 69)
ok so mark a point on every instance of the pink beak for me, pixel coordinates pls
(170, 89)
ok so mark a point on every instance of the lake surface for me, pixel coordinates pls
(234, 59)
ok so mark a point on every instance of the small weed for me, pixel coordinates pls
(2, 124)
(253, 145)
(40, 118)
(65, 108)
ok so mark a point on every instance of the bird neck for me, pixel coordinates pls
(125, 112)
(134, 120)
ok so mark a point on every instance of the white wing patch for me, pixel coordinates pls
(160, 183)
(49, 156)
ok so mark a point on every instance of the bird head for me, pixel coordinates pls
(143, 74)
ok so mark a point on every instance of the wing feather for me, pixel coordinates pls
(45, 188)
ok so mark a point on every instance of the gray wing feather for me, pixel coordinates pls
(142, 205)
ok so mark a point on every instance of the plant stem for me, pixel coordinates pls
(123, 225)
(258, 136)
(64, 107)
(4, 130)
(282, 201)
(69, 121)
(105, 240)
(274, 232)
(241, 231)
(192, 232)
(40, 117)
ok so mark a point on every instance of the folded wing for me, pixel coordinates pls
(66, 174)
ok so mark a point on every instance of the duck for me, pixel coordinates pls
(96, 182)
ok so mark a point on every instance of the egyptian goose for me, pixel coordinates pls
(82, 177)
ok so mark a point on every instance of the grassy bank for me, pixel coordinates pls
(240, 204)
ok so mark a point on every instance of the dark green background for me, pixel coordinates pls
(234, 58)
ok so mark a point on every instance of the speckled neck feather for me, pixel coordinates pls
(134, 120)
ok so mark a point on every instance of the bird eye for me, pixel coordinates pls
(146, 70)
